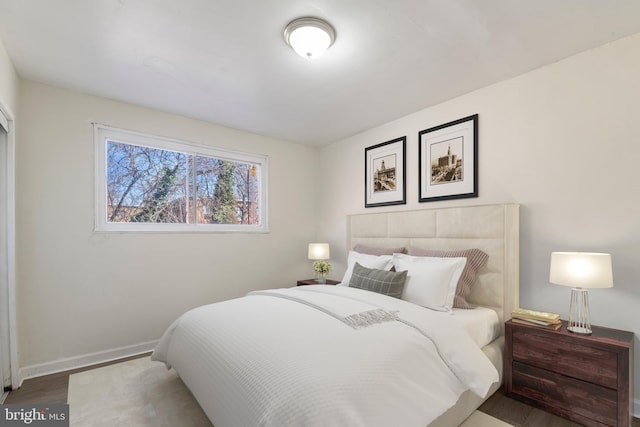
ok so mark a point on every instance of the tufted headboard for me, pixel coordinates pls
(491, 228)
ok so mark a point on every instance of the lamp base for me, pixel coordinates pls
(579, 322)
(579, 330)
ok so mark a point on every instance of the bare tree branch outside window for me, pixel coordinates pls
(152, 185)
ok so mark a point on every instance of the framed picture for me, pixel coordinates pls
(384, 173)
(449, 161)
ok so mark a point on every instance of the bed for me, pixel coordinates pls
(339, 355)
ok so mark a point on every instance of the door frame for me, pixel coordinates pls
(10, 348)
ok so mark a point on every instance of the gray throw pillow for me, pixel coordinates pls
(381, 281)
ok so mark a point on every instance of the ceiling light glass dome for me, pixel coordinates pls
(309, 37)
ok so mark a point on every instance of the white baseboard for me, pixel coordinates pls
(635, 411)
(75, 362)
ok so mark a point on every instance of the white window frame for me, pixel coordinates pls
(103, 133)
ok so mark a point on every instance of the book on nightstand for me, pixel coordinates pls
(536, 318)
(554, 326)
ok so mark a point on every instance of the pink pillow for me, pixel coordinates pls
(475, 259)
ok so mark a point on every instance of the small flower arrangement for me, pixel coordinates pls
(322, 268)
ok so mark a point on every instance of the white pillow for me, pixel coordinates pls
(380, 262)
(431, 281)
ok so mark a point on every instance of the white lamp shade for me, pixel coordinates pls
(581, 269)
(318, 251)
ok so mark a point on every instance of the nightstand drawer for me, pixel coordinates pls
(566, 357)
(566, 396)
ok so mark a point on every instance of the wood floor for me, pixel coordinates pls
(53, 389)
(522, 415)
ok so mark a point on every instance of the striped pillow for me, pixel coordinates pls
(380, 281)
(475, 259)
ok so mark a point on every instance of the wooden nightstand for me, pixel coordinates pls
(313, 282)
(585, 378)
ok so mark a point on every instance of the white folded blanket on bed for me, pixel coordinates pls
(288, 358)
(354, 313)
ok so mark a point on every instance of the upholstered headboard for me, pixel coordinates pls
(491, 228)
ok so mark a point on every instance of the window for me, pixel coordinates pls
(148, 183)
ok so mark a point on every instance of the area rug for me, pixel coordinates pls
(143, 393)
(480, 419)
(138, 392)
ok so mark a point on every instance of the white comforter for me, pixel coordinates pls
(323, 356)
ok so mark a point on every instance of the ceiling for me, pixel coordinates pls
(225, 61)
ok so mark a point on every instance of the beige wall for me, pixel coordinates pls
(562, 141)
(81, 292)
(8, 82)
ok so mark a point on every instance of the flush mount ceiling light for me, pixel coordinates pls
(309, 37)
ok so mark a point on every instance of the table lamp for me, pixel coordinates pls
(320, 252)
(581, 271)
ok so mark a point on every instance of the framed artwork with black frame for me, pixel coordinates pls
(384, 173)
(448, 160)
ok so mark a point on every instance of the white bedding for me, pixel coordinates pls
(289, 358)
(481, 323)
